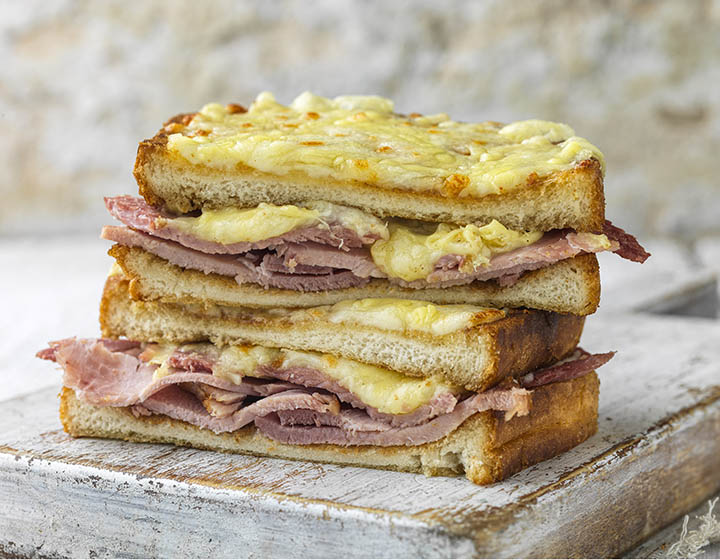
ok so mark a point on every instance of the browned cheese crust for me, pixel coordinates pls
(568, 199)
(486, 447)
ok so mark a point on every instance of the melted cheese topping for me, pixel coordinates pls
(361, 138)
(412, 256)
(409, 315)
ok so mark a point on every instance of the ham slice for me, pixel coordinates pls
(577, 365)
(629, 247)
(268, 278)
(330, 257)
(137, 214)
(506, 268)
(358, 261)
(172, 401)
(293, 405)
(116, 378)
(515, 400)
(309, 377)
(245, 270)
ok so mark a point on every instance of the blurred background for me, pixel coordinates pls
(82, 82)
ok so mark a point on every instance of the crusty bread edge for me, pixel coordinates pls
(246, 187)
(486, 447)
(529, 291)
(474, 358)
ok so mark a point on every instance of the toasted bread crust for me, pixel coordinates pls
(474, 358)
(569, 199)
(569, 286)
(486, 447)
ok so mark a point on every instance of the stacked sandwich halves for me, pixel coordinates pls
(334, 281)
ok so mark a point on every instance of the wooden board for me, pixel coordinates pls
(656, 456)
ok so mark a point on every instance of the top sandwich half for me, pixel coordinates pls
(355, 150)
(344, 198)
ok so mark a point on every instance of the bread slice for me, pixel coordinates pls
(476, 357)
(486, 447)
(564, 199)
(569, 286)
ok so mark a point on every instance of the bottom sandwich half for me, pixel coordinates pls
(383, 383)
(487, 448)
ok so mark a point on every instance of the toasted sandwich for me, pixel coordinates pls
(328, 200)
(394, 384)
(333, 281)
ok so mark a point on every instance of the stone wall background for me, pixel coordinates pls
(81, 82)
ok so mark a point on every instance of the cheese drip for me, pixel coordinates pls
(361, 138)
(412, 256)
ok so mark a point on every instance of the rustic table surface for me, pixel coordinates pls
(656, 456)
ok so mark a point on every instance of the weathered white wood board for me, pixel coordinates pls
(656, 455)
(668, 282)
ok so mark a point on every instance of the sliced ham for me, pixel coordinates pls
(137, 214)
(507, 267)
(358, 261)
(515, 399)
(217, 402)
(274, 263)
(577, 365)
(309, 377)
(268, 278)
(243, 269)
(629, 247)
(190, 360)
(172, 401)
(99, 375)
(294, 405)
(330, 257)
(116, 378)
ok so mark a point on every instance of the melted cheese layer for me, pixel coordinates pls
(411, 315)
(412, 256)
(361, 138)
(400, 251)
(388, 391)
(237, 225)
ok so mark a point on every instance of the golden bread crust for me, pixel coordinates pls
(473, 358)
(568, 199)
(569, 286)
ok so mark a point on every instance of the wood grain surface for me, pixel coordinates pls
(656, 456)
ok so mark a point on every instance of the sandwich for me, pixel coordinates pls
(329, 200)
(334, 281)
(393, 384)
